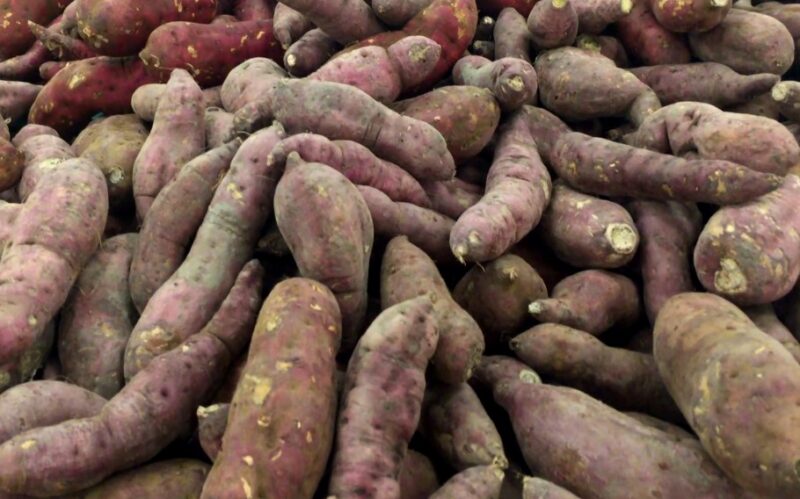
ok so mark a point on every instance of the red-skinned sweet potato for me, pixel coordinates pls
(12, 163)
(309, 53)
(512, 81)
(764, 317)
(690, 16)
(25, 66)
(511, 35)
(289, 25)
(145, 99)
(249, 81)
(43, 154)
(62, 46)
(16, 98)
(553, 23)
(172, 478)
(649, 42)
(397, 13)
(453, 197)
(345, 22)
(15, 36)
(478, 481)
(418, 478)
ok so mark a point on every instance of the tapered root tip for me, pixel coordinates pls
(622, 238)
(780, 92)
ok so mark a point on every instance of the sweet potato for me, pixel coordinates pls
(764, 318)
(593, 301)
(553, 23)
(495, 370)
(512, 81)
(248, 81)
(595, 15)
(668, 233)
(343, 112)
(715, 362)
(15, 37)
(25, 66)
(417, 478)
(605, 45)
(345, 22)
(466, 116)
(786, 95)
(211, 423)
(172, 478)
(483, 49)
(16, 98)
(761, 105)
(588, 232)
(460, 430)
(145, 99)
(113, 144)
(650, 43)
(9, 211)
(62, 46)
(48, 70)
(380, 407)
(517, 193)
(227, 236)
(31, 130)
(700, 130)
(396, 13)
(43, 154)
(511, 35)
(21, 407)
(309, 53)
(746, 42)
(497, 295)
(407, 272)
(294, 375)
(250, 10)
(494, 7)
(453, 197)
(538, 488)
(84, 88)
(57, 230)
(692, 16)
(289, 25)
(653, 422)
(98, 318)
(355, 162)
(121, 28)
(12, 163)
(478, 481)
(208, 51)
(424, 227)
(219, 127)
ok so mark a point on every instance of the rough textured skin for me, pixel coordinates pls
(512, 81)
(219, 127)
(145, 99)
(453, 197)
(408, 272)
(84, 88)
(595, 15)
(177, 136)
(538, 488)
(396, 13)
(176, 478)
(249, 81)
(335, 247)
(57, 230)
(381, 401)
(715, 362)
(21, 407)
(12, 163)
(288, 385)
(15, 37)
(626, 380)
(592, 301)
(113, 143)
(479, 481)
(43, 154)
(648, 42)
(668, 232)
(417, 478)
(511, 36)
(355, 162)
(208, 51)
(747, 42)
(424, 227)
(749, 253)
(466, 116)
(517, 193)
(698, 130)
(62, 46)
(211, 423)
(16, 98)
(223, 244)
(765, 319)
(309, 53)
(588, 232)
(553, 24)
(690, 16)
(120, 28)
(497, 295)
(98, 318)
(173, 219)
(346, 21)
(289, 25)
(459, 429)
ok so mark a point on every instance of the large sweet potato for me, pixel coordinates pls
(553, 23)
(510, 35)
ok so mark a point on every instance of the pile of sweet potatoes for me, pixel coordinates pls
(399, 249)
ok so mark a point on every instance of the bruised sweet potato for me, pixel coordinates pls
(453, 197)
(382, 399)
(588, 232)
(345, 22)
(418, 478)
(397, 13)
(592, 301)
(145, 99)
(172, 478)
(211, 423)
(43, 153)
(287, 385)
(16, 98)
(15, 36)
(309, 53)
(511, 35)
(248, 81)
(690, 16)
(553, 23)
(408, 272)
(478, 481)
(289, 25)
(715, 363)
(650, 43)
(765, 319)
(512, 81)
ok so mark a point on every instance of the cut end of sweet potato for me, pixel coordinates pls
(730, 279)
(622, 238)
(719, 4)
(536, 308)
(559, 4)
(627, 5)
(780, 92)
(291, 60)
(530, 377)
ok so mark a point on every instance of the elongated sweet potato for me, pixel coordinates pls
(345, 22)
(43, 154)
(650, 43)
(592, 301)
(382, 399)
(15, 36)
(288, 385)
(538, 488)
(211, 423)
(121, 28)
(62, 46)
(17, 97)
(453, 197)
(227, 236)
(84, 88)
(478, 481)
(145, 99)
(765, 319)
(417, 478)
(517, 193)
(219, 127)
(172, 478)
(25, 66)
(289, 25)
(511, 35)
(511, 80)
(397, 13)
(248, 81)
(588, 232)
(408, 272)
(173, 220)
(460, 430)
(715, 362)
(553, 23)
(692, 16)
(309, 53)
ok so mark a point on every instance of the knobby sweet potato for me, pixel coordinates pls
(553, 24)
(43, 153)
(478, 481)
(764, 318)
(511, 35)
(16, 98)
(690, 16)
(650, 43)
(289, 25)
(309, 53)
(211, 423)
(418, 478)
(172, 478)
(453, 197)
(248, 81)
(512, 81)
(15, 36)
(145, 99)
(346, 22)
(397, 13)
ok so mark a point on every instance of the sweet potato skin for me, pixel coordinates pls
(538, 488)
(453, 197)
(309, 53)
(249, 82)
(649, 42)
(417, 478)
(145, 99)
(12, 163)
(219, 127)
(15, 37)
(553, 24)
(346, 22)
(397, 13)
(511, 35)
(211, 423)
(512, 81)
(43, 154)
(295, 373)
(494, 7)
(248, 10)
(765, 319)
(477, 481)
(173, 478)
(714, 361)
(693, 16)
(17, 97)
(289, 24)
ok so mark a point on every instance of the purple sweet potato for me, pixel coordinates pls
(511, 36)
(25, 66)
(538, 488)
(309, 53)
(43, 153)
(382, 399)
(97, 319)
(765, 319)
(494, 370)
(668, 233)
(459, 429)
(9, 211)
(453, 197)
(62, 46)
(16, 98)
(595, 15)
(588, 232)
(408, 272)
(511, 80)
(248, 81)
(289, 25)
(346, 22)
(231, 227)
(173, 478)
(761, 105)
(397, 13)
(715, 363)
(31, 130)
(592, 301)
(288, 386)
(605, 45)
(211, 423)
(177, 136)
(553, 24)
(145, 99)
(650, 43)
(479, 481)
(690, 16)
(219, 127)
(249, 10)
(517, 193)
(786, 95)
(417, 478)
(12, 164)
(15, 37)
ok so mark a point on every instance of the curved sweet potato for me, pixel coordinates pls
(289, 24)
(309, 53)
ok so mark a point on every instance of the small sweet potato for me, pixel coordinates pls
(43, 153)
(650, 43)
(288, 385)
(417, 478)
(15, 36)
(761, 105)
(453, 197)
(62, 46)
(382, 399)
(479, 481)
(145, 99)
(309, 53)
(346, 22)
(553, 24)
(511, 36)
(172, 478)
(12, 163)
(764, 318)
(408, 272)
(690, 16)
(588, 232)
(538, 488)
(397, 13)
(219, 127)
(48, 70)
(512, 81)
(289, 25)
(592, 301)
(16, 98)
(249, 81)
(211, 423)
(715, 362)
